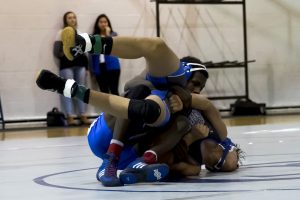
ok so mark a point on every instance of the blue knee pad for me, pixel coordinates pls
(99, 137)
(163, 95)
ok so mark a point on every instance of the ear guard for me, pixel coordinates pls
(189, 68)
(227, 146)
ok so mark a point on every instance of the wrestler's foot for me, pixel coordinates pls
(139, 171)
(107, 172)
(47, 80)
(75, 44)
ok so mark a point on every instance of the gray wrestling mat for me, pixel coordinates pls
(64, 168)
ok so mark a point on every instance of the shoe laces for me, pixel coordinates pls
(111, 167)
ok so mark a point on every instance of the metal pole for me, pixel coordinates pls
(157, 18)
(245, 49)
(2, 116)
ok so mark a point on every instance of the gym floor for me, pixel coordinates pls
(56, 163)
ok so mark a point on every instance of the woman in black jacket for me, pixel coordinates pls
(75, 69)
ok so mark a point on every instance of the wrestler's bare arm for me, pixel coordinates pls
(211, 112)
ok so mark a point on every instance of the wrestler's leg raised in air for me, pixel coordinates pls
(161, 60)
(163, 66)
(152, 110)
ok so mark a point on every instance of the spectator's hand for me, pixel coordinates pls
(175, 103)
(107, 30)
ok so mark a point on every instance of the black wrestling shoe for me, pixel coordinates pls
(47, 80)
(75, 44)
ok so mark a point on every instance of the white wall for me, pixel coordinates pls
(28, 29)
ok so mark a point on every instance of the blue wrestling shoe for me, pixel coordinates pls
(107, 172)
(138, 171)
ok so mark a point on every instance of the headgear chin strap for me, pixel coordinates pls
(227, 146)
(189, 68)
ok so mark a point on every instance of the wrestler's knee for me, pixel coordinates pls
(98, 141)
(148, 110)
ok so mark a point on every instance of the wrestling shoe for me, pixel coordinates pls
(75, 44)
(138, 171)
(107, 172)
(47, 80)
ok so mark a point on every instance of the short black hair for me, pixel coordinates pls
(191, 59)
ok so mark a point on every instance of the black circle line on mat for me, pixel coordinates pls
(41, 181)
